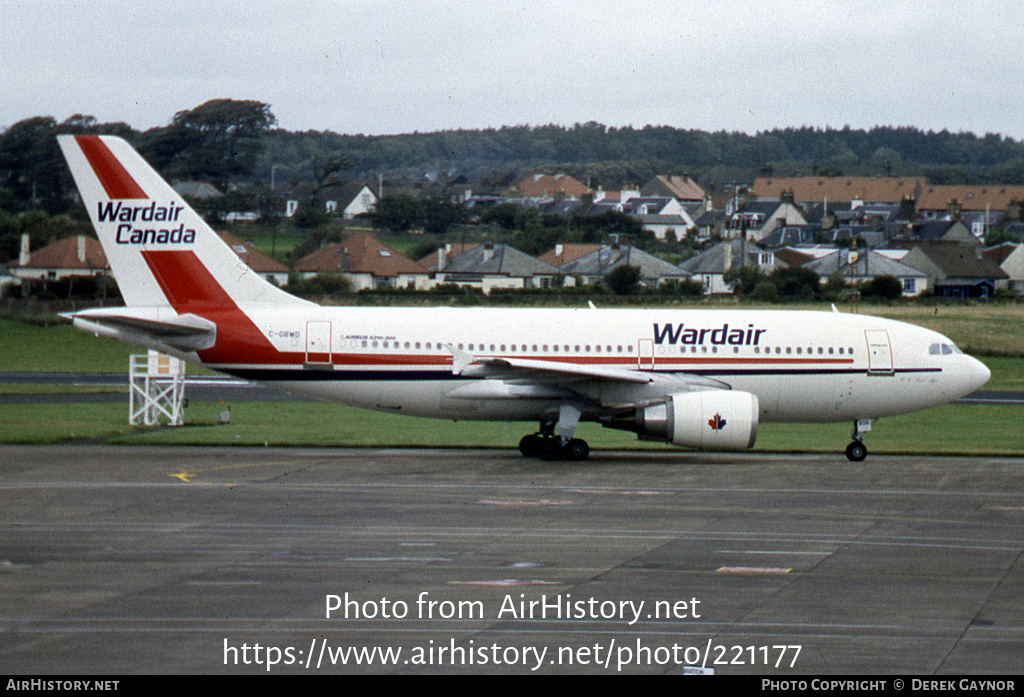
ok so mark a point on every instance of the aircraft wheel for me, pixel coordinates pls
(550, 449)
(530, 445)
(856, 452)
(577, 449)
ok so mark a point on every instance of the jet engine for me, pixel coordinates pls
(709, 420)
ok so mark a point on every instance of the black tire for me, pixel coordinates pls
(550, 449)
(577, 449)
(530, 444)
(856, 452)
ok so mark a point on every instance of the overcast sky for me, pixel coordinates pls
(383, 66)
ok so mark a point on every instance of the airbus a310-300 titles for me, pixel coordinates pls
(703, 379)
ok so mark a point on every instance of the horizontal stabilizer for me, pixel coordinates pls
(186, 332)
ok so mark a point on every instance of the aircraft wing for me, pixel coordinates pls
(471, 366)
(513, 378)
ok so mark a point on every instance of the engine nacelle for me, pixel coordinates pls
(710, 420)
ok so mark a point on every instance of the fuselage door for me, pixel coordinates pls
(879, 352)
(318, 343)
(645, 354)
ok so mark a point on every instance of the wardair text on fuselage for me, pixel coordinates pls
(697, 336)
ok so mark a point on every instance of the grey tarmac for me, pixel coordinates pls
(209, 560)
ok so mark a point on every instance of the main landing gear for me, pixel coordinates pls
(857, 451)
(552, 447)
(546, 445)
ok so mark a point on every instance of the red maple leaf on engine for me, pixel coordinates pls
(716, 422)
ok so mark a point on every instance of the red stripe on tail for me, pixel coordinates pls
(109, 170)
(191, 288)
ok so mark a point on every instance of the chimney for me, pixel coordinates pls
(488, 251)
(442, 258)
(24, 255)
(559, 247)
(955, 208)
(81, 248)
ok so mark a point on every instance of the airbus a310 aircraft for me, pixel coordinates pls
(702, 379)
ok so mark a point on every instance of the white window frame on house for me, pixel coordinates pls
(909, 286)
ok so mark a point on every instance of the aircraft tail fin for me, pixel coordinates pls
(161, 251)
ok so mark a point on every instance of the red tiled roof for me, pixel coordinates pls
(360, 253)
(253, 258)
(63, 254)
(867, 189)
(971, 198)
(570, 252)
(539, 185)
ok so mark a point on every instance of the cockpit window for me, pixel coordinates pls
(943, 349)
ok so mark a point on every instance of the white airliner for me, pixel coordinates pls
(703, 379)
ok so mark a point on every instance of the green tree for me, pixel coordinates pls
(398, 213)
(215, 141)
(623, 280)
(796, 282)
(885, 287)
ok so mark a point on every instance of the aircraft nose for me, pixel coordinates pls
(979, 373)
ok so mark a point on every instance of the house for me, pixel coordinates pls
(564, 253)
(661, 216)
(491, 266)
(945, 230)
(549, 186)
(72, 256)
(438, 259)
(346, 200)
(1010, 258)
(711, 266)
(594, 266)
(846, 189)
(682, 189)
(981, 222)
(710, 224)
(938, 201)
(368, 263)
(788, 235)
(197, 190)
(957, 270)
(864, 265)
(758, 219)
(267, 267)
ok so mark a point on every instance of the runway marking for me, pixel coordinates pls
(396, 559)
(522, 502)
(506, 582)
(753, 570)
(753, 551)
(225, 583)
(621, 492)
(186, 475)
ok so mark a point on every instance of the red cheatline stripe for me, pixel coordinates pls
(111, 173)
